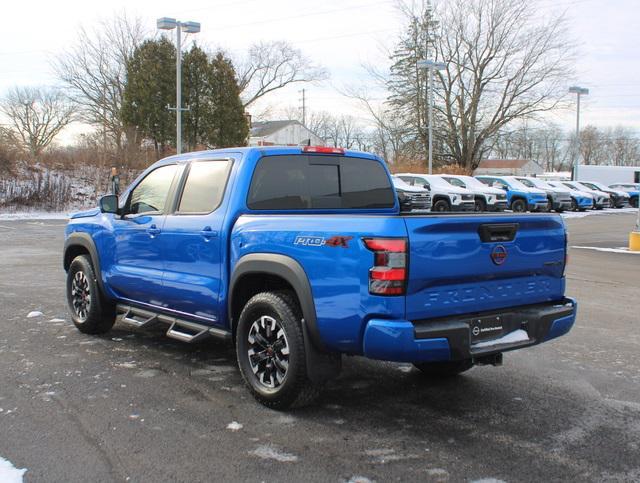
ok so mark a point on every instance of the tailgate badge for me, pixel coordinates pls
(499, 254)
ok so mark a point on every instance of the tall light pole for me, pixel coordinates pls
(167, 23)
(430, 66)
(579, 91)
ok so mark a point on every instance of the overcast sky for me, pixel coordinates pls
(339, 34)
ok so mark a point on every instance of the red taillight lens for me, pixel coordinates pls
(322, 150)
(388, 276)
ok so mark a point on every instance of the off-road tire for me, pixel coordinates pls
(98, 315)
(295, 390)
(444, 369)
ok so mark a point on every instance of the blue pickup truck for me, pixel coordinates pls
(300, 255)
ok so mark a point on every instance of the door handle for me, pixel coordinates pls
(207, 232)
(153, 230)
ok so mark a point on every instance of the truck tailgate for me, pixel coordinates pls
(466, 264)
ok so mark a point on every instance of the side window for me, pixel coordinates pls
(319, 182)
(150, 195)
(408, 179)
(204, 187)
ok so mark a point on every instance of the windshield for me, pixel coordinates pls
(403, 185)
(516, 184)
(471, 182)
(527, 182)
(436, 181)
(455, 182)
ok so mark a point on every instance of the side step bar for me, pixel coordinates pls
(182, 330)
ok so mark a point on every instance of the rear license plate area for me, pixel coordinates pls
(489, 327)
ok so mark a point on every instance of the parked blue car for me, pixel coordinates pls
(300, 255)
(632, 189)
(519, 197)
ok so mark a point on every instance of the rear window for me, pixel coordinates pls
(204, 187)
(301, 182)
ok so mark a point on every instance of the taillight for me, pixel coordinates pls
(388, 276)
(322, 150)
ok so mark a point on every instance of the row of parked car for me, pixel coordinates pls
(444, 192)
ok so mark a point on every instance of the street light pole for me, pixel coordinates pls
(166, 23)
(579, 91)
(430, 66)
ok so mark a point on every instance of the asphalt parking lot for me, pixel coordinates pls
(137, 406)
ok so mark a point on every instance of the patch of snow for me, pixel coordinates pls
(34, 215)
(126, 365)
(234, 426)
(512, 337)
(488, 480)
(608, 211)
(34, 313)
(9, 473)
(437, 472)
(57, 320)
(610, 250)
(269, 452)
(359, 479)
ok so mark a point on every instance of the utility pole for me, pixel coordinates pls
(579, 91)
(166, 23)
(304, 107)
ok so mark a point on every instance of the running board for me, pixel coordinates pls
(179, 329)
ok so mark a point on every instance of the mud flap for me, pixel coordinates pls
(321, 366)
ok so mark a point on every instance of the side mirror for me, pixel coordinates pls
(109, 204)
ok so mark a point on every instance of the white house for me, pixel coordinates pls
(282, 133)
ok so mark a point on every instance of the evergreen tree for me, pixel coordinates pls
(196, 95)
(227, 126)
(150, 87)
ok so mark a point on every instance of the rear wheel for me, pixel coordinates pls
(634, 202)
(574, 205)
(271, 353)
(90, 313)
(441, 205)
(444, 369)
(519, 206)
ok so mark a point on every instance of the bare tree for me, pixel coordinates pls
(503, 64)
(94, 71)
(270, 66)
(36, 116)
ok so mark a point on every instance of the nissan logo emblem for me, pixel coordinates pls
(499, 254)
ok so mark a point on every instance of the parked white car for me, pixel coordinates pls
(444, 196)
(486, 197)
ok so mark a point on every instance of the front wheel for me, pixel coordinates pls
(480, 205)
(574, 205)
(444, 369)
(441, 206)
(271, 353)
(634, 202)
(90, 313)
(519, 206)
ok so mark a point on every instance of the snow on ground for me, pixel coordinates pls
(608, 211)
(269, 452)
(34, 215)
(610, 250)
(9, 473)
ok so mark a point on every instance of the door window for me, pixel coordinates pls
(150, 195)
(205, 185)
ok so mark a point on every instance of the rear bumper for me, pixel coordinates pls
(451, 338)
